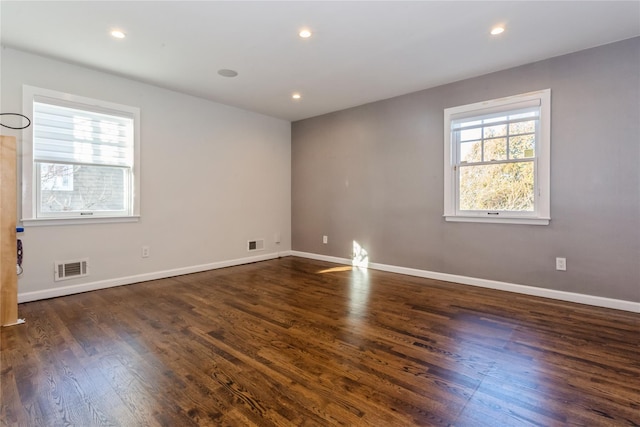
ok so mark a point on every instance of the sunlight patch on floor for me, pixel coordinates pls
(336, 269)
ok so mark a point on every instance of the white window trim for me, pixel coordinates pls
(542, 215)
(29, 196)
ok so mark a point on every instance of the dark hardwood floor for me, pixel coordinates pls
(296, 342)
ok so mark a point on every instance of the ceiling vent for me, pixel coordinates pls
(255, 245)
(71, 269)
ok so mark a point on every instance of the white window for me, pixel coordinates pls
(497, 160)
(80, 159)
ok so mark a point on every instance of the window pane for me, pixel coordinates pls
(493, 131)
(495, 149)
(522, 127)
(471, 152)
(56, 177)
(470, 134)
(74, 188)
(522, 147)
(500, 187)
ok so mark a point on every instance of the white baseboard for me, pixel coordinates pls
(491, 284)
(102, 284)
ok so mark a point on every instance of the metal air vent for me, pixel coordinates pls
(255, 245)
(71, 269)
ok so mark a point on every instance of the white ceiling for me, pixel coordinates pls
(360, 51)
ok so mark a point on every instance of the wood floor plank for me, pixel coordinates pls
(296, 342)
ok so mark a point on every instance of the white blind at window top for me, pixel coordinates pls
(68, 135)
(492, 119)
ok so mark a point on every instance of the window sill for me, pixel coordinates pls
(42, 222)
(494, 220)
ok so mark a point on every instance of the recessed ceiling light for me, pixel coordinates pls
(118, 34)
(497, 30)
(227, 73)
(296, 96)
(305, 34)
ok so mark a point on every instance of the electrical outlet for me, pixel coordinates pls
(145, 252)
(561, 264)
(325, 239)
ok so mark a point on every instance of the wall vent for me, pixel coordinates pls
(255, 245)
(71, 269)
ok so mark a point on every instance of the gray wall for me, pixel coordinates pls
(212, 177)
(374, 174)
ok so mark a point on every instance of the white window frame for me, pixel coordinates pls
(542, 160)
(30, 175)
